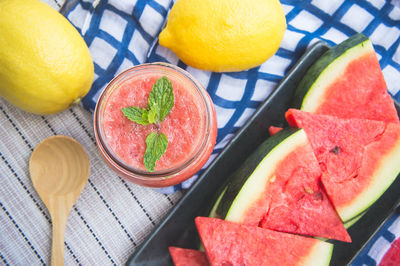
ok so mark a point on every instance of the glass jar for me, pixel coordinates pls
(190, 127)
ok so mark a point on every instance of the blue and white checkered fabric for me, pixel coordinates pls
(377, 247)
(123, 33)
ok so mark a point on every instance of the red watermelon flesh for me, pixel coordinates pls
(392, 256)
(348, 151)
(273, 130)
(298, 202)
(295, 201)
(185, 257)
(360, 92)
(228, 243)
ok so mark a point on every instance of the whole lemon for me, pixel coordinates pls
(45, 64)
(224, 35)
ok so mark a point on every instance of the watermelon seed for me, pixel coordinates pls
(272, 179)
(308, 190)
(317, 195)
(335, 150)
(354, 175)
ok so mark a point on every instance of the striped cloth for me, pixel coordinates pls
(112, 216)
(106, 224)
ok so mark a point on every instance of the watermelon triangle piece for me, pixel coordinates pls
(359, 158)
(347, 82)
(297, 200)
(284, 192)
(184, 256)
(229, 243)
(273, 130)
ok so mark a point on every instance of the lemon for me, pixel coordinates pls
(45, 64)
(224, 35)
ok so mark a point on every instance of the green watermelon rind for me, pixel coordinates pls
(384, 176)
(239, 177)
(310, 92)
(320, 255)
(213, 213)
(351, 222)
(253, 186)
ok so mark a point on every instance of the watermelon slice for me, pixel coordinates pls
(359, 158)
(278, 187)
(184, 257)
(228, 243)
(273, 130)
(347, 82)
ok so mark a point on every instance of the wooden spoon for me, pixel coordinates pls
(59, 168)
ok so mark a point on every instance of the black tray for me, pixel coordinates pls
(178, 229)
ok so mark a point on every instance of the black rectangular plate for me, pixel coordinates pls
(178, 228)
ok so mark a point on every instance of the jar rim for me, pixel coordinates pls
(161, 174)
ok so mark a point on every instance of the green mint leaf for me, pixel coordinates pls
(160, 103)
(153, 114)
(156, 146)
(161, 96)
(136, 114)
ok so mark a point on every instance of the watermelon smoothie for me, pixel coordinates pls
(190, 127)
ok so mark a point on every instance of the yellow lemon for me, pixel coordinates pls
(224, 35)
(45, 64)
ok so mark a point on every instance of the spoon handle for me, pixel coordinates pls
(59, 218)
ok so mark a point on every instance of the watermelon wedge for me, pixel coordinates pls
(278, 187)
(273, 130)
(359, 158)
(184, 257)
(228, 243)
(347, 82)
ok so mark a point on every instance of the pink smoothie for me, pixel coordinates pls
(183, 127)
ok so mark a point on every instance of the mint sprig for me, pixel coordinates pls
(161, 98)
(156, 146)
(160, 103)
(136, 114)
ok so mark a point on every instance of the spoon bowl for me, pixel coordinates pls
(59, 168)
